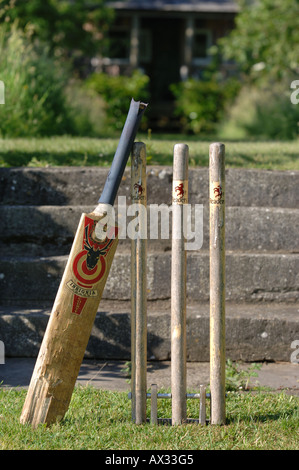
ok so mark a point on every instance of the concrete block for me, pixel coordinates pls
(50, 230)
(254, 332)
(250, 277)
(83, 186)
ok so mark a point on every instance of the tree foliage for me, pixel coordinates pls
(71, 28)
(265, 40)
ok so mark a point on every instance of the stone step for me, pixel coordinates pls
(254, 332)
(250, 277)
(83, 186)
(50, 230)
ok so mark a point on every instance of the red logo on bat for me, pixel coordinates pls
(89, 266)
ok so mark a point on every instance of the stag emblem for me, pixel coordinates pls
(93, 252)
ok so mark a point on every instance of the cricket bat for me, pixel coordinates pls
(78, 297)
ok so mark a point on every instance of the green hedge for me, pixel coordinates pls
(262, 112)
(200, 104)
(117, 91)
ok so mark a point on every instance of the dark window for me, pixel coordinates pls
(119, 39)
(201, 44)
(119, 45)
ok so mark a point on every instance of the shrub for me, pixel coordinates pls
(200, 104)
(262, 112)
(34, 87)
(117, 92)
(86, 109)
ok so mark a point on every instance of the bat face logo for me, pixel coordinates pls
(179, 189)
(89, 266)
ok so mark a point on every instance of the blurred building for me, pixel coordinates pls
(168, 39)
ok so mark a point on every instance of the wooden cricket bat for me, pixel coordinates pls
(77, 300)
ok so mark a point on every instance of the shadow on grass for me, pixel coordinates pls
(258, 418)
(19, 159)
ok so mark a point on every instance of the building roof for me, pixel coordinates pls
(229, 6)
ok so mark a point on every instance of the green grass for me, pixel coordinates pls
(99, 419)
(72, 151)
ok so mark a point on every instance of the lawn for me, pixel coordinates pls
(99, 419)
(69, 151)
